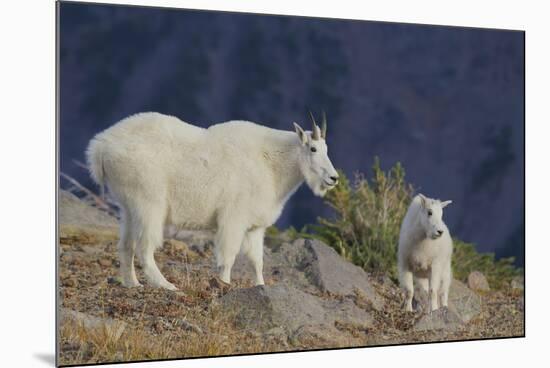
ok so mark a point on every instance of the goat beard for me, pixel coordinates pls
(322, 190)
(317, 184)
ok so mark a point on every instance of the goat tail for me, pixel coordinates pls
(94, 158)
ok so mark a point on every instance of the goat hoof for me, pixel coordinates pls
(217, 283)
(131, 284)
(169, 286)
(164, 285)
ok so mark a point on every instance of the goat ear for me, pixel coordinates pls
(445, 203)
(301, 133)
(423, 200)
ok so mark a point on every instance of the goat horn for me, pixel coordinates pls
(324, 126)
(314, 128)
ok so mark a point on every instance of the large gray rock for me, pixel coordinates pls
(333, 274)
(311, 266)
(478, 281)
(464, 304)
(75, 212)
(264, 308)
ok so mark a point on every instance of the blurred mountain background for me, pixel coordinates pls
(446, 102)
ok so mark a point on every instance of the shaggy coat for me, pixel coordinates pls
(233, 177)
(425, 250)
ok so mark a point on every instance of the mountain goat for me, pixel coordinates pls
(234, 177)
(425, 251)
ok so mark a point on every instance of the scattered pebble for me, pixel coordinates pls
(70, 282)
(88, 249)
(114, 280)
(188, 326)
(66, 257)
(195, 248)
(105, 262)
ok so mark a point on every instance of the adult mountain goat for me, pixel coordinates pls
(234, 177)
(425, 250)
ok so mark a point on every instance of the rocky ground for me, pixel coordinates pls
(312, 299)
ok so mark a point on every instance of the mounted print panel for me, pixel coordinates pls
(235, 183)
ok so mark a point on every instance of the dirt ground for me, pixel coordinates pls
(146, 323)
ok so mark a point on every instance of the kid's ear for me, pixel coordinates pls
(301, 133)
(445, 203)
(423, 200)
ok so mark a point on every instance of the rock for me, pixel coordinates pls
(114, 280)
(70, 346)
(312, 335)
(105, 262)
(92, 250)
(311, 266)
(464, 304)
(200, 241)
(442, 318)
(199, 250)
(188, 326)
(67, 257)
(263, 308)
(333, 274)
(477, 281)
(69, 282)
(462, 301)
(518, 282)
(160, 325)
(73, 211)
(114, 328)
(175, 246)
(276, 336)
(276, 331)
(179, 250)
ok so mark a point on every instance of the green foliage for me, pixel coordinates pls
(466, 259)
(365, 228)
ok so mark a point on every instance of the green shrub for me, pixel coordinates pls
(366, 222)
(466, 259)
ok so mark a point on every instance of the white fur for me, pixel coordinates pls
(234, 177)
(425, 251)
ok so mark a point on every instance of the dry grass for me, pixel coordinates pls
(160, 324)
(164, 340)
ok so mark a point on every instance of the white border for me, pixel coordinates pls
(27, 183)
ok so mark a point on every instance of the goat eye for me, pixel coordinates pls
(313, 149)
(429, 212)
